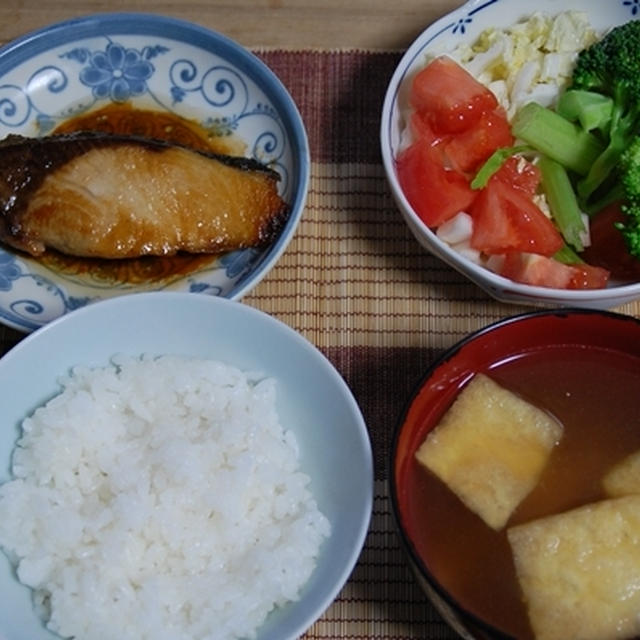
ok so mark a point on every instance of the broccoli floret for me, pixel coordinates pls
(610, 67)
(630, 169)
(629, 176)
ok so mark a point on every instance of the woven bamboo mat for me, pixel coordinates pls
(357, 285)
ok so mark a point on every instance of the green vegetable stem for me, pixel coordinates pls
(562, 201)
(556, 137)
(592, 110)
(567, 255)
(493, 164)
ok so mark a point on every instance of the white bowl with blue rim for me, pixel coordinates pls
(153, 62)
(461, 26)
(313, 401)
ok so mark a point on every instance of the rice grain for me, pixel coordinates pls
(160, 498)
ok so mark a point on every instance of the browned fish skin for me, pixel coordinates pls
(109, 196)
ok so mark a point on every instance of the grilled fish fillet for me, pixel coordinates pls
(109, 196)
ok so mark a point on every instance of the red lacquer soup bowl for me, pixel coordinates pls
(581, 366)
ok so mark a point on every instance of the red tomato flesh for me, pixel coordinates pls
(435, 193)
(520, 173)
(536, 270)
(542, 271)
(422, 130)
(506, 219)
(451, 96)
(587, 276)
(469, 149)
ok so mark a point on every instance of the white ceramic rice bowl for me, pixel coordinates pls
(313, 400)
(463, 26)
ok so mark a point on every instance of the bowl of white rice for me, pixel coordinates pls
(175, 467)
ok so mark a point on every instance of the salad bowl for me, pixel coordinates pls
(461, 28)
(181, 70)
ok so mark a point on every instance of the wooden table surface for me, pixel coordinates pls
(291, 24)
(353, 280)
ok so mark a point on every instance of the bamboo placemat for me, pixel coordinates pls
(357, 285)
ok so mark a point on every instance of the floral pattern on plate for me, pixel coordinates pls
(157, 63)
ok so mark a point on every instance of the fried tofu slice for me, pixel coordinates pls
(580, 571)
(624, 478)
(490, 448)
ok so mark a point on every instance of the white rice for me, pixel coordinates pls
(160, 498)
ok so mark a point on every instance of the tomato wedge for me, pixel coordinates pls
(506, 219)
(451, 96)
(542, 271)
(519, 173)
(422, 129)
(536, 270)
(587, 276)
(468, 149)
(435, 192)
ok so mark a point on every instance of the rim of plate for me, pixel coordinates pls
(40, 40)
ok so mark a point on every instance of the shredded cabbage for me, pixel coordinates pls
(531, 60)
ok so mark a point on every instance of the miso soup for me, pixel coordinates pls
(595, 394)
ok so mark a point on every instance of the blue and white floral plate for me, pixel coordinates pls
(463, 26)
(151, 62)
